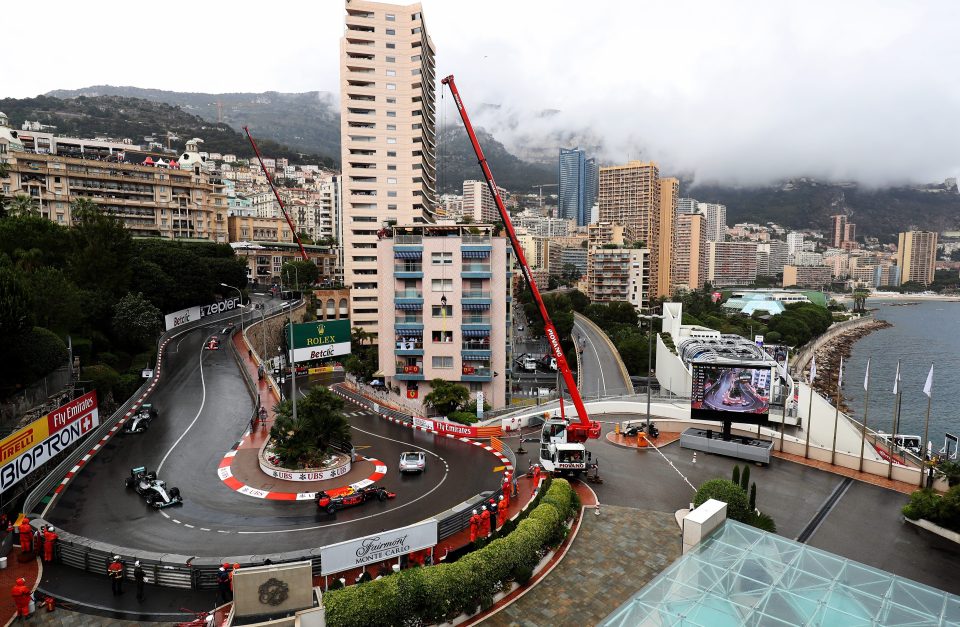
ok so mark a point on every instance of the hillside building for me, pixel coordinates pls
(917, 256)
(732, 263)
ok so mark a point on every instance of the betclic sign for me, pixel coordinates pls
(192, 314)
(320, 339)
(29, 448)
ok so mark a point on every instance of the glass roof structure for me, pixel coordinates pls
(743, 576)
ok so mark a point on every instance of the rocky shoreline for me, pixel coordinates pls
(828, 360)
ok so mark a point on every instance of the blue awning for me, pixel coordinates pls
(475, 333)
(410, 306)
(409, 333)
(476, 306)
(407, 254)
(467, 355)
(476, 254)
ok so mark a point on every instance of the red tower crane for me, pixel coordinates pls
(283, 208)
(584, 428)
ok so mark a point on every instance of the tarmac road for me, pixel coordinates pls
(203, 409)
(601, 375)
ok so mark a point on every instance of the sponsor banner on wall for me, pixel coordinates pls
(192, 314)
(24, 451)
(378, 547)
(438, 426)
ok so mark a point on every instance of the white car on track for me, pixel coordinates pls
(413, 461)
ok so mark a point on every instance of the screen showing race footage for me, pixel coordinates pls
(738, 393)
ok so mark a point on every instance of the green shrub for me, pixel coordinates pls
(922, 504)
(103, 377)
(373, 603)
(948, 511)
(753, 496)
(560, 494)
(82, 348)
(745, 478)
(550, 516)
(108, 358)
(762, 521)
(736, 474)
(730, 493)
(126, 385)
(463, 417)
(46, 351)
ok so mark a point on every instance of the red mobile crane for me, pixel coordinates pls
(283, 208)
(575, 432)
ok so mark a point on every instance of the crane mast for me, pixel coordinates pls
(283, 208)
(584, 428)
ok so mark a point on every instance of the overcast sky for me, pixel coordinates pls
(734, 91)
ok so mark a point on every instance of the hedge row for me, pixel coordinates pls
(436, 593)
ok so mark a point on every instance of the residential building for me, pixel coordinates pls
(265, 259)
(578, 185)
(451, 206)
(886, 275)
(444, 314)
(575, 256)
(794, 242)
(332, 303)
(619, 274)
(807, 276)
(732, 263)
(691, 256)
(630, 196)
(849, 234)
(838, 230)
(805, 258)
(388, 137)
(916, 256)
(771, 257)
(478, 202)
(686, 205)
(669, 192)
(716, 220)
(151, 201)
(602, 233)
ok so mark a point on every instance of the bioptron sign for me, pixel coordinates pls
(192, 314)
(378, 547)
(320, 339)
(29, 448)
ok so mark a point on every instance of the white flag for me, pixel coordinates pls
(866, 377)
(896, 380)
(840, 374)
(813, 369)
(928, 386)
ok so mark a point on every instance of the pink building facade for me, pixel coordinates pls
(444, 297)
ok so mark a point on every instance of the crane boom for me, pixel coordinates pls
(283, 208)
(576, 431)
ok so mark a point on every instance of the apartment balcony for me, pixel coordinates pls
(411, 346)
(410, 324)
(408, 270)
(476, 243)
(476, 374)
(408, 297)
(475, 352)
(407, 372)
(476, 323)
(477, 271)
(475, 297)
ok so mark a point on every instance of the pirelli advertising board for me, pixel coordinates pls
(29, 448)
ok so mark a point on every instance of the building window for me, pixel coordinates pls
(391, 127)
(391, 18)
(391, 31)
(391, 86)
(442, 362)
(391, 140)
(391, 46)
(391, 59)
(392, 207)
(476, 386)
(442, 311)
(391, 73)
(391, 114)
(391, 194)
(441, 259)
(442, 285)
(415, 71)
(391, 101)
(391, 167)
(391, 181)
(391, 153)
(442, 337)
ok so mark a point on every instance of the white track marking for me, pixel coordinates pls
(203, 402)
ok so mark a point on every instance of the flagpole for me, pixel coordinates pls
(928, 388)
(896, 418)
(866, 408)
(836, 415)
(806, 447)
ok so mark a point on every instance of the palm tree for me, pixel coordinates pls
(21, 205)
(360, 335)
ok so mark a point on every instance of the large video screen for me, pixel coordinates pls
(738, 393)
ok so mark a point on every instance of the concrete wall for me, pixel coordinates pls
(298, 577)
(802, 358)
(671, 372)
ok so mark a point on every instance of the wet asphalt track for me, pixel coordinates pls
(204, 407)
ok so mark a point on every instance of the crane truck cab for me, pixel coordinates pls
(557, 455)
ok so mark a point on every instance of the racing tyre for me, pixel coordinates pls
(150, 500)
(174, 493)
(381, 495)
(128, 483)
(331, 509)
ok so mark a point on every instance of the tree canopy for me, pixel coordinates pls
(306, 441)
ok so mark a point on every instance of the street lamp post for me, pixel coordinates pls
(241, 302)
(649, 317)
